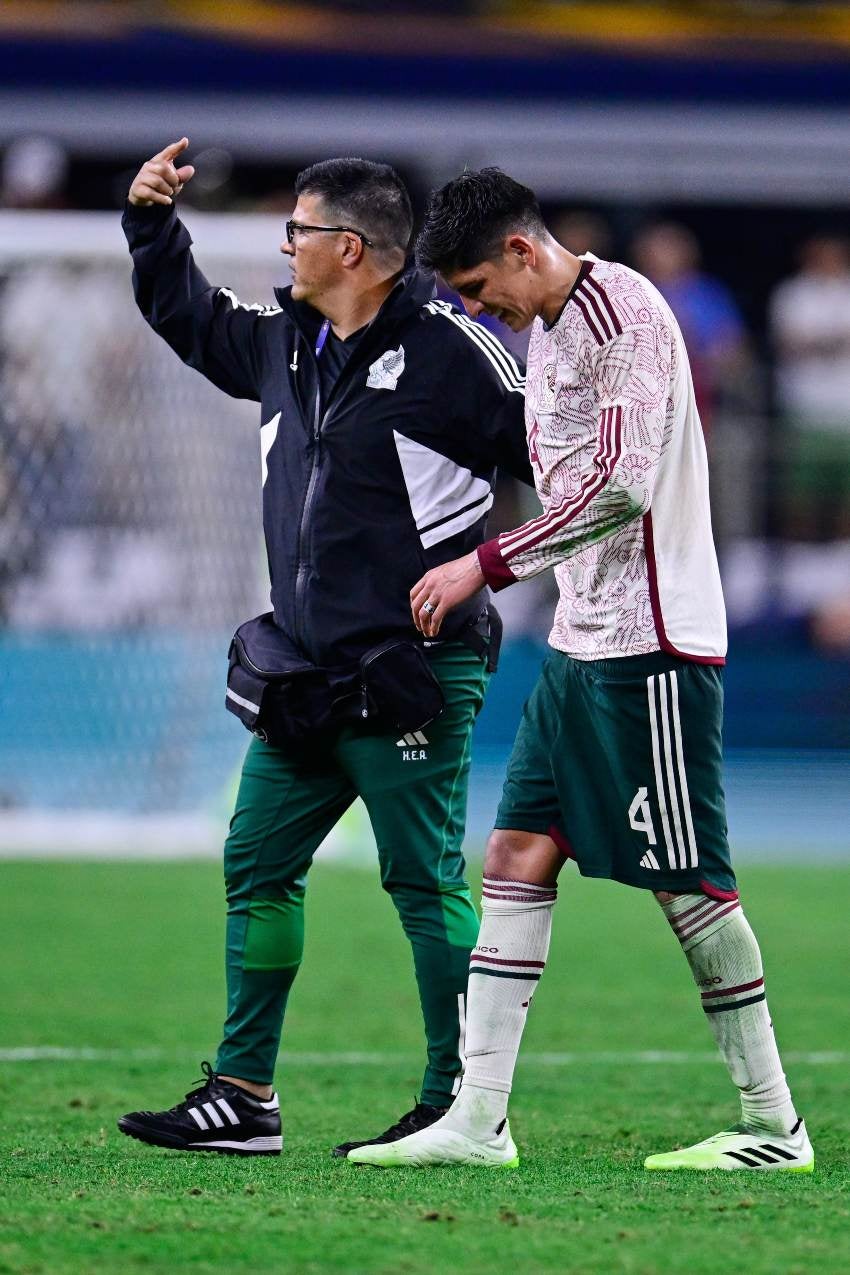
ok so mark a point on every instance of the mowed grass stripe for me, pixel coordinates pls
(351, 1058)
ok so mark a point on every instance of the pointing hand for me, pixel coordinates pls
(158, 181)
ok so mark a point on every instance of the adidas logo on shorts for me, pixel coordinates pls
(412, 745)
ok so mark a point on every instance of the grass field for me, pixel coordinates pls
(118, 966)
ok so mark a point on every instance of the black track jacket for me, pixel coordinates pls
(365, 490)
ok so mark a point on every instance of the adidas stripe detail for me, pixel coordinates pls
(221, 1105)
(264, 311)
(766, 1154)
(503, 362)
(671, 781)
(598, 312)
(213, 1115)
(604, 462)
(225, 1107)
(744, 1159)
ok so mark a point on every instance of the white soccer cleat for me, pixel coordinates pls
(436, 1145)
(735, 1149)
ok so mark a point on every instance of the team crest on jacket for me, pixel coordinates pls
(385, 371)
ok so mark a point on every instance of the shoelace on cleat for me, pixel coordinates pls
(193, 1094)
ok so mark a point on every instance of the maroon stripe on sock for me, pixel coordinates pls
(497, 960)
(702, 923)
(519, 889)
(731, 991)
(703, 906)
(505, 883)
(494, 889)
(520, 898)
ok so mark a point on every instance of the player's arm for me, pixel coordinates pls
(493, 399)
(206, 326)
(632, 376)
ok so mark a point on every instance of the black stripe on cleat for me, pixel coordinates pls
(786, 1155)
(745, 1159)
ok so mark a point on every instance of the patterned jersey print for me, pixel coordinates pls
(620, 468)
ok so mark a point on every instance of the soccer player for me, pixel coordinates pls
(617, 761)
(384, 414)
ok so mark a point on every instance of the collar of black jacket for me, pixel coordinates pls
(414, 289)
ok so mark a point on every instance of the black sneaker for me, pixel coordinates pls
(420, 1117)
(216, 1117)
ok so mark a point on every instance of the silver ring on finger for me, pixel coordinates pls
(428, 608)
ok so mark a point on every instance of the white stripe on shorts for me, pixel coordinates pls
(683, 778)
(659, 775)
(666, 731)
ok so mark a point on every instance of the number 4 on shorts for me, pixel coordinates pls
(640, 815)
(640, 818)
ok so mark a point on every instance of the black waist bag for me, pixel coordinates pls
(273, 690)
(398, 686)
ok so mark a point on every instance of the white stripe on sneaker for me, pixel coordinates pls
(224, 1105)
(198, 1118)
(213, 1115)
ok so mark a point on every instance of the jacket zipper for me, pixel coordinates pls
(306, 509)
(319, 423)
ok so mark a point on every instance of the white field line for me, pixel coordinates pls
(306, 1058)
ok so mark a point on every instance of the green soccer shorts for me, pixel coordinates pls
(415, 790)
(620, 762)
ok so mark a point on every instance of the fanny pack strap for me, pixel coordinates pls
(488, 646)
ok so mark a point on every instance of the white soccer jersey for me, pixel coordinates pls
(620, 467)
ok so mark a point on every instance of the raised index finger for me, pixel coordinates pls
(173, 149)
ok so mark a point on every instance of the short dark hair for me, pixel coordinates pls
(370, 197)
(468, 218)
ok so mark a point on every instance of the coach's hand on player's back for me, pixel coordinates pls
(158, 181)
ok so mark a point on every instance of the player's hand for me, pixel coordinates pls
(158, 181)
(444, 588)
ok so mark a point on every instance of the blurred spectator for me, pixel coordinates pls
(721, 361)
(582, 231)
(810, 323)
(829, 626)
(33, 174)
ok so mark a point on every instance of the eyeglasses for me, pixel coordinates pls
(292, 226)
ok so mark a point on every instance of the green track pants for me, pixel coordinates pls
(415, 792)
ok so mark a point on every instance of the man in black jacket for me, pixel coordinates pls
(384, 415)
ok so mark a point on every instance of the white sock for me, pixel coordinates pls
(726, 964)
(504, 970)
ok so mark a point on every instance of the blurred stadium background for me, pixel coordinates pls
(708, 144)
